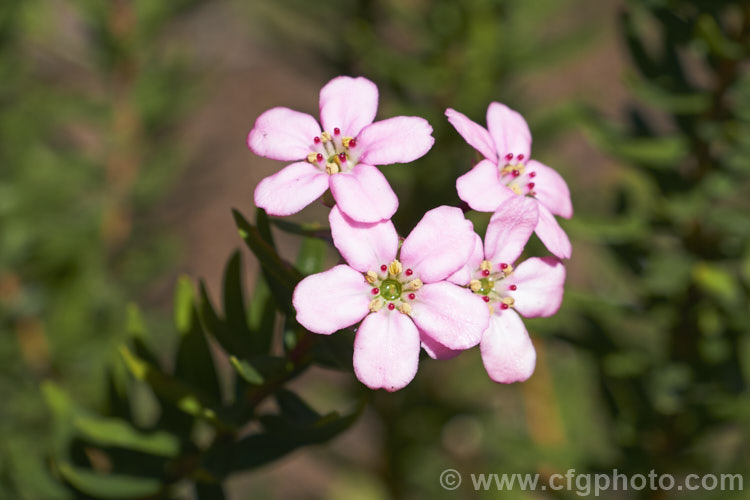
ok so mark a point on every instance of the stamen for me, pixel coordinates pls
(336, 131)
(412, 296)
(531, 185)
(414, 284)
(509, 156)
(509, 301)
(332, 168)
(313, 157)
(384, 268)
(486, 265)
(515, 189)
(513, 287)
(409, 272)
(346, 141)
(352, 143)
(375, 291)
(316, 139)
(485, 273)
(375, 305)
(395, 268)
(532, 174)
(503, 266)
(391, 306)
(520, 157)
(319, 157)
(405, 308)
(516, 173)
(325, 137)
(475, 285)
(504, 306)
(485, 298)
(342, 157)
(371, 277)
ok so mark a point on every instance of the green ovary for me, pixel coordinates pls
(390, 289)
(487, 286)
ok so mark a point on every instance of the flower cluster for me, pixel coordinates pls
(442, 288)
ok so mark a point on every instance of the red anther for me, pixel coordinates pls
(342, 156)
(516, 173)
(532, 174)
(319, 157)
(513, 287)
(336, 131)
(412, 296)
(383, 267)
(509, 156)
(531, 185)
(520, 157)
(485, 298)
(504, 306)
(375, 291)
(503, 266)
(353, 143)
(409, 272)
(485, 273)
(316, 139)
(391, 306)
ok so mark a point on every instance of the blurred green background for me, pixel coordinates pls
(122, 151)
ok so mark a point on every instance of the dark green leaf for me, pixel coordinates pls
(108, 485)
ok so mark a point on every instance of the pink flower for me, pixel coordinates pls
(533, 289)
(400, 295)
(339, 155)
(508, 170)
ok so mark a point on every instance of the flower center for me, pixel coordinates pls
(492, 284)
(516, 177)
(333, 153)
(393, 287)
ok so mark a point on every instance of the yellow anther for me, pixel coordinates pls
(371, 277)
(475, 285)
(332, 168)
(346, 140)
(312, 158)
(486, 265)
(405, 308)
(507, 169)
(395, 268)
(375, 305)
(508, 269)
(325, 137)
(515, 188)
(509, 300)
(520, 167)
(414, 285)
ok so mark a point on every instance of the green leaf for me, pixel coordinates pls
(119, 433)
(170, 389)
(311, 230)
(246, 371)
(234, 298)
(183, 304)
(262, 318)
(108, 485)
(716, 281)
(281, 277)
(295, 409)
(311, 256)
(232, 341)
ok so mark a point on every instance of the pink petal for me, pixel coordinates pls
(450, 315)
(396, 140)
(438, 245)
(510, 228)
(364, 194)
(365, 247)
(551, 234)
(436, 350)
(386, 350)
(348, 104)
(507, 352)
(329, 301)
(466, 272)
(540, 283)
(481, 187)
(476, 135)
(551, 189)
(283, 134)
(290, 189)
(509, 131)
